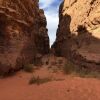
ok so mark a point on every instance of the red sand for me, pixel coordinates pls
(71, 88)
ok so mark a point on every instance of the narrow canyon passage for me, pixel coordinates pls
(24, 37)
(49, 50)
(51, 11)
(78, 35)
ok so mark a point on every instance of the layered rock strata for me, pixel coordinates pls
(23, 33)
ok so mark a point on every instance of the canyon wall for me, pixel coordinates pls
(23, 34)
(78, 33)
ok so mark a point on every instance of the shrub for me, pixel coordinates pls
(28, 67)
(89, 74)
(82, 72)
(68, 68)
(37, 80)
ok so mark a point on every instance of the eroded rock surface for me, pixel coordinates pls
(78, 33)
(23, 33)
(83, 12)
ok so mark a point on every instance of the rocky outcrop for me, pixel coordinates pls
(78, 33)
(23, 33)
(83, 12)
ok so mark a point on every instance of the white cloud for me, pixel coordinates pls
(51, 12)
(45, 3)
(52, 25)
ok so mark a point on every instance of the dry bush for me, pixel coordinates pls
(37, 80)
(28, 67)
(70, 68)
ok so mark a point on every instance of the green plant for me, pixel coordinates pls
(81, 29)
(28, 67)
(89, 74)
(8, 74)
(37, 80)
(82, 72)
(68, 68)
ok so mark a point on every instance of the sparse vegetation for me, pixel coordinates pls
(37, 80)
(81, 29)
(4, 75)
(88, 74)
(28, 67)
(70, 68)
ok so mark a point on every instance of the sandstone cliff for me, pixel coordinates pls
(78, 33)
(23, 33)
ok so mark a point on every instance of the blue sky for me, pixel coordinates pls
(51, 11)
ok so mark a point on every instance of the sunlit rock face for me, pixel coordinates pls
(78, 33)
(23, 33)
(83, 12)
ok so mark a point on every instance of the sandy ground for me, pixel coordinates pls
(66, 88)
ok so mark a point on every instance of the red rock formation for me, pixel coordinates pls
(78, 32)
(23, 33)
